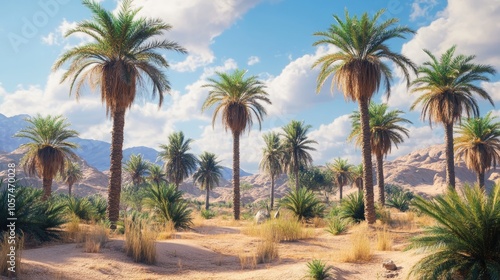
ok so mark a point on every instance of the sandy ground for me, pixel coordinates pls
(212, 250)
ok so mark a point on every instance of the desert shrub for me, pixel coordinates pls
(384, 240)
(96, 238)
(167, 203)
(207, 214)
(397, 197)
(303, 203)
(35, 218)
(337, 225)
(132, 196)
(79, 207)
(465, 242)
(267, 251)
(318, 270)
(359, 249)
(99, 205)
(140, 238)
(353, 207)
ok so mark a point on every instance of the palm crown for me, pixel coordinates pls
(179, 163)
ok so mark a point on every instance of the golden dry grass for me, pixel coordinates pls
(384, 240)
(140, 241)
(96, 238)
(281, 229)
(360, 247)
(167, 231)
(267, 251)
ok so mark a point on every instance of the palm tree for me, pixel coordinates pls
(156, 174)
(208, 174)
(237, 98)
(122, 57)
(72, 174)
(357, 177)
(358, 69)
(478, 144)
(272, 159)
(179, 164)
(137, 169)
(296, 146)
(448, 85)
(385, 131)
(48, 150)
(342, 173)
(465, 242)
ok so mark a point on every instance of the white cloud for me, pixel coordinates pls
(57, 36)
(421, 8)
(50, 39)
(493, 88)
(253, 60)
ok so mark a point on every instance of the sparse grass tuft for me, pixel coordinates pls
(96, 238)
(207, 214)
(384, 240)
(267, 251)
(280, 229)
(360, 249)
(337, 226)
(166, 232)
(318, 270)
(140, 239)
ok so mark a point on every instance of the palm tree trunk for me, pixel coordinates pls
(480, 179)
(272, 192)
(380, 179)
(450, 163)
(367, 162)
(70, 186)
(115, 178)
(236, 175)
(296, 172)
(207, 204)
(47, 187)
(340, 189)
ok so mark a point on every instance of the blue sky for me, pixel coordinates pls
(270, 38)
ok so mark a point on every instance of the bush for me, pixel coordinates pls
(168, 204)
(353, 207)
(337, 225)
(360, 249)
(99, 205)
(267, 251)
(79, 207)
(35, 218)
(303, 203)
(140, 238)
(207, 214)
(318, 270)
(397, 197)
(465, 242)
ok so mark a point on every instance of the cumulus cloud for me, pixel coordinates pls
(253, 60)
(493, 88)
(421, 8)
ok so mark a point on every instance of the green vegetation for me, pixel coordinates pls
(303, 203)
(318, 270)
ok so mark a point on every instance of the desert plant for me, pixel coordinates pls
(96, 238)
(72, 174)
(35, 218)
(318, 270)
(337, 225)
(208, 174)
(136, 170)
(303, 203)
(384, 240)
(360, 249)
(79, 207)
(140, 238)
(121, 61)
(99, 205)
(465, 242)
(168, 205)
(353, 207)
(267, 251)
(342, 173)
(207, 214)
(398, 198)
(272, 160)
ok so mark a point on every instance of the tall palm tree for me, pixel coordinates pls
(156, 175)
(48, 150)
(122, 57)
(208, 174)
(385, 131)
(357, 177)
(137, 169)
(178, 163)
(478, 144)
(296, 146)
(72, 174)
(342, 173)
(237, 98)
(358, 69)
(272, 159)
(448, 88)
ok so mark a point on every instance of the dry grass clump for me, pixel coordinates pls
(96, 238)
(403, 221)
(167, 231)
(6, 260)
(384, 240)
(249, 261)
(73, 230)
(281, 229)
(140, 239)
(360, 249)
(267, 251)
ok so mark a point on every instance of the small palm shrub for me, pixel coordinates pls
(35, 218)
(168, 205)
(303, 203)
(318, 270)
(207, 214)
(79, 207)
(99, 205)
(337, 225)
(465, 242)
(353, 207)
(397, 197)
